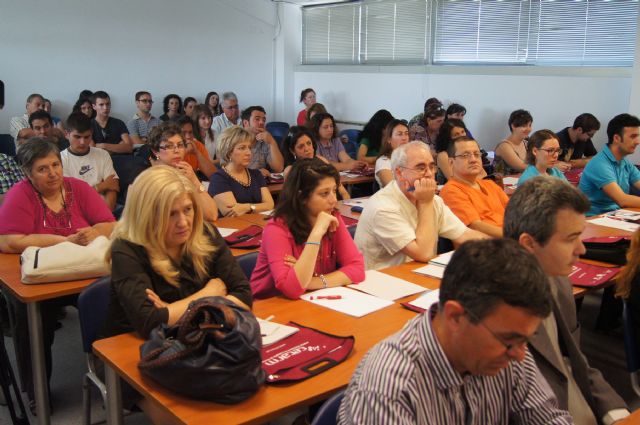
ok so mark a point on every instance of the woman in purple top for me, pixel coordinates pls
(235, 187)
(306, 245)
(330, 146)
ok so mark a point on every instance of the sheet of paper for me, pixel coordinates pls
(274, 332)
(442, 259)
(510, 181)
(427, 299)
(266, 212)
(387, 287)
(353, 303)
(226, 231)
(616, 224)
(355, 202)
(430, 270)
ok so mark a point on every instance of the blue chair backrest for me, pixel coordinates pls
(93, 304)
(352, 230)
(247, 263)
(630, 347)
(328, 413)
(352, 145)
(7, 146)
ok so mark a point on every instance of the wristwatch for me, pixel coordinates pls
(253, 207)
(201, 189)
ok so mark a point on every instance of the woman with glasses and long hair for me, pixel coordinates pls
(168, 147)
(42, 210)
(306, 245)
(542, 156)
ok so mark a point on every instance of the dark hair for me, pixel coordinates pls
(78, 106)
(485, 273)
(46, 101)
(141, 93)
(39, 115)
(386, 149)
(162, 132)
(587, 122)
(289, 142)
(519, 118)
(99, 95)
(34, 96)
(534, 206)
(198, 110)
(316, 122)
(432, 102)
(218, 108)
(302, 180)
(434, 111)
(78, 121)
(184, 119)
(85, 94)
(189, 99)
(618, 123)
(305, 92)
(372, 131)
(316, 108)
(451, 149)
(536, 140)
(33, 149)
(444, 134)
(246, 114)
(167, 98)
(456, 108)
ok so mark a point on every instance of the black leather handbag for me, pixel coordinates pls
(211, 353)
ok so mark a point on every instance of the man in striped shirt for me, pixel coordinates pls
(465, 361)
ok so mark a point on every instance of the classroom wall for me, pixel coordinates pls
(554, 97)
(58, 48)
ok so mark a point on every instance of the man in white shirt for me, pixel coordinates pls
(19, 126)
(402, 221)
(231, 115)
(87, 163)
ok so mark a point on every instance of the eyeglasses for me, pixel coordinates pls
(422, 169)
(231, 107)
(171, 147)
(145, 100)
(551, 151)
(468, 155)
(508, 346)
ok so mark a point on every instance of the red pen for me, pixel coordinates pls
(327, 297)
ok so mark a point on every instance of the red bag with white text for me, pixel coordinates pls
(304, 354)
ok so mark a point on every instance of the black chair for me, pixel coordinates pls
(247, 263)
(127, 167)
(328, 413)
(8, 381)
(93, 303)
(631, 349)
(7, 146)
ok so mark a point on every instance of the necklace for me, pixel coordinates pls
(241, 183)
(58, 218)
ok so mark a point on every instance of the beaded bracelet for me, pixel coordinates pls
(324, 281)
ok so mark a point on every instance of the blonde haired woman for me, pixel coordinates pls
(163, 256)
(235, 187)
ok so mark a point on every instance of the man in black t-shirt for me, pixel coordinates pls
(110, 134)
(575, 142)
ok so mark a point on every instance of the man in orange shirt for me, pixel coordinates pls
(478, 203)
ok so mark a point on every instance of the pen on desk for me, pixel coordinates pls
(327, 297)
(269, 318)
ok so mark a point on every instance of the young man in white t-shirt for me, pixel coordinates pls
(85, 162)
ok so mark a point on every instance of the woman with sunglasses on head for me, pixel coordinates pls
(299, 144)
(427, 130)
(306, 245)
(542, 156)
(168, 147)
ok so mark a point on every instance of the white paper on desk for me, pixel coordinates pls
(266, 212)
(442, 259)
(349, 175)
(432, 270)
(616, 224)
(426, 300)
(510, 181)
(355, 202)
(226, 231)
(385, 286)
(273, 332)
(353, 303)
